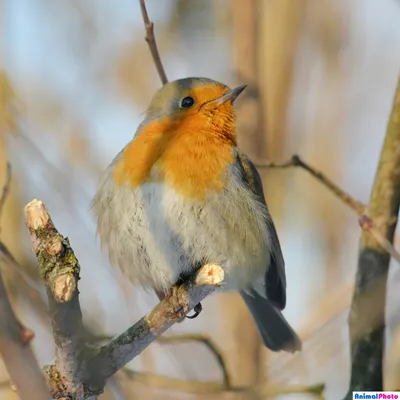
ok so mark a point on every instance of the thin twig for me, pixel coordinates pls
(151, 40)
(214, 387)
(296, 161)
(208, 342)
(17, 355)
(6, 190)
(366, 223)
(28, 288)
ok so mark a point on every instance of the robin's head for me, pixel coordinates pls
(188, 134)
(194, 103)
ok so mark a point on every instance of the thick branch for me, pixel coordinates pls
(59, 270)
(151, 40)
(17, 354)
(373, 263)
(113, 356)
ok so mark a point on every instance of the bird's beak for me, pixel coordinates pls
(228, 96)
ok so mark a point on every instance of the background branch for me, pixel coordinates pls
(6, 190)
(17, 355)
(28, 287)
(151, 40)
(368, 225)
(216, 387)
(296, 161)
(366, 222)
(208, 342)
(367, 352)
(15, 350)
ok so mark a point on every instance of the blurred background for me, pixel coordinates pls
(321, 76)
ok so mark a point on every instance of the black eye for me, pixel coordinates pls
(187, 102)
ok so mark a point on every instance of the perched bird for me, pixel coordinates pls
(182, 194)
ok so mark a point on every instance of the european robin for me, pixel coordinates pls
(181, 194)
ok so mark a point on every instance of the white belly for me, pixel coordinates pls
(154, 234)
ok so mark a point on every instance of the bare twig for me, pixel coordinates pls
(366, 222)
(151, 40)
(6, 190)
(296, 161)
(214, 387)
(373, 263)
(207, 341)
(11, 269)
(17, 354)
(59, 269)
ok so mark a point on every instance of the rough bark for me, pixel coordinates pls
(367, 329)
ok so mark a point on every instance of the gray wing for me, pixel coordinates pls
(275, 278)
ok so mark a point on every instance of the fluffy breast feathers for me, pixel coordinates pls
(154, 232)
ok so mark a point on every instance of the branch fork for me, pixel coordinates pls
(79, 369)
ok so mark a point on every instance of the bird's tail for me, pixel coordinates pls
(275, 331)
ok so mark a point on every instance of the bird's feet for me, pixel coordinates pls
(198, 308)
(179, 305)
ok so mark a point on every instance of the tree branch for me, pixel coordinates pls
(217, 387)
(15, 350)
(151, 40)
(121, 350)
(17, 354)
(59, 270)
(208, 342)
(6, 190)
(296, 161)
(80, 370)
(15, 272)
(365, 221)
(368, 225)
(367, 352)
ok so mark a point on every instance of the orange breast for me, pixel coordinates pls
(191, 156)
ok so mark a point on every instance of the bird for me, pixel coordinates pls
(182, 194)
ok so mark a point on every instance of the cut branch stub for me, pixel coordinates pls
(58, 265)
(59, 269)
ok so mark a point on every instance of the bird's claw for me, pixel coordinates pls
(198, 308)
(179, 307)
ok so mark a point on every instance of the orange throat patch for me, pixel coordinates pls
(190, 160)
